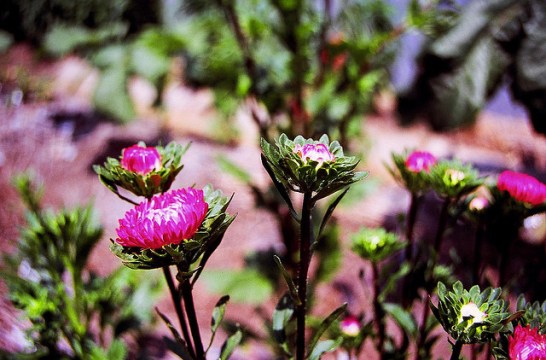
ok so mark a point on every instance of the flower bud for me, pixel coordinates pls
(419, 161)
(141, 159)
(350, 326)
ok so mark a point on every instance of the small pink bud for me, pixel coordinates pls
(527, 344)
(315, 152)
(419, 161)
(478, 204)
(350, 326)
(522, 187)
(141, 160)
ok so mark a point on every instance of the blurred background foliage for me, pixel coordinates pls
(299, 67)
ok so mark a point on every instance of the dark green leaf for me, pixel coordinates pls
(324, 325)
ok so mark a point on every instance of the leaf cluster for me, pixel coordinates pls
(464, 329)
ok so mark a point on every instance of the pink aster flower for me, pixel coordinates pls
(522, 187)
(419, 161)
(165, 219)
(350, 326)
(527, 344)
(140, 159)
(316, 152)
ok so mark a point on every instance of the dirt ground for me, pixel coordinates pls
(60, 139)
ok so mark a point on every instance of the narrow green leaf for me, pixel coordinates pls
(280, 188)
(179, 347)
(325, 324)
(282, 316)
(218, 313)
(324, 346)
(402, 318)
(291, 286)
(330, 210)
(231, 168)
(230, 344)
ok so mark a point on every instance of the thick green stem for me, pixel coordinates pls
(177, 302)
(305, 258)
(456, 350)
(379, 314)
(192, 319)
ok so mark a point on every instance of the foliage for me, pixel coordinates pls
(65, 302)
(490, 44)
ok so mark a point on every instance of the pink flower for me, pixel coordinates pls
(350, 326)
(315, 152)
(527, 344)
(522, 187)
(419, 161)
(140, 159)
(165, 219)
(478, 203)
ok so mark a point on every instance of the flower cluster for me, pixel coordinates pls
(522, 187)
(165, 219)
(527, 344)
(142, 170)
(309, 166)
(412, 170)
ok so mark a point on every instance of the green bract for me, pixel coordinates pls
(187, 253)
(308, 176)
(533, 314)
(451, 179)
(376, 244)
(113, 175)
(471, 316)
(415, 182)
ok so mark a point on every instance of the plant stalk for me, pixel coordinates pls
(456, 350)
(410, 225)
(192, 319)
(305, 258)
(177, 302)
(379, 314)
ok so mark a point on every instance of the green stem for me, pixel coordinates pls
(305, 258)
(177, 302)
(456, 350)
(192, 319)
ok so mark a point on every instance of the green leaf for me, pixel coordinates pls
(293, 291)
(330, 211)
(230, 344)
(280, 187)
(283, 316)
(5, 41)
(246, 286)
(111, 95)
(179, 347)
(218, 313)
(149, 63)
(402, 317)
(324, 346)
(233, 169)
(324, 325)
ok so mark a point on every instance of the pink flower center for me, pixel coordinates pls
(315, 152)
(165, 219)
(419, 161)
(141, 160)
(522, 187)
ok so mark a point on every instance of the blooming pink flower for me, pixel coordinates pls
(316, 152)
(522, 187)
(350, 326)
(165, 219)
(140, 159)
(527, 344)
(419, 161)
